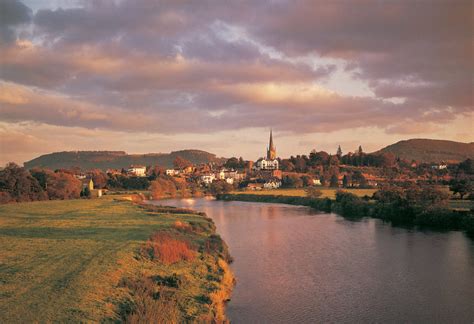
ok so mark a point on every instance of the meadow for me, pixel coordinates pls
(326, 192)
(70, 261)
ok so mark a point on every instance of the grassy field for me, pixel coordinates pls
(63, 261)
(327, 192)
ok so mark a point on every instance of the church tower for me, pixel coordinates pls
(271, 151)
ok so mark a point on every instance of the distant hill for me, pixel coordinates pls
(116, 159)
(428, 150)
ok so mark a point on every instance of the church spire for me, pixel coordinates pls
(271, 152)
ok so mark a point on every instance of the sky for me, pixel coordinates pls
(158, 76)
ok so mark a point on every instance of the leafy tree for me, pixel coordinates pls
(17, 184)
(61, 185)
(346, 180)
(234, 163)
(461, 187)
(292, 181)
(312, 192)
(220, 187)
(334, 182)
(99, 178)
(467, 166)
(86, 192)
(307, 181)
(181, 163)
(287, 166)
(339, 152)
(359, 178)
(162, 187)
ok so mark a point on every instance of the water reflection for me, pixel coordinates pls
(296, 265)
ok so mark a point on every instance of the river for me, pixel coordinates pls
(296, 265)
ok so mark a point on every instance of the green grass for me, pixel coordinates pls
(61, 261)
(326, 192)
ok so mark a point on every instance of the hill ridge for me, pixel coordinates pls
(430, 150)
(116, 159)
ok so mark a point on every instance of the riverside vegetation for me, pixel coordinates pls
(109, 260)
(422, 207)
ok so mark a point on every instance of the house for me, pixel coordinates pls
(188, 169)
(208, 178)
(113, 172)
(137, 170)
(172, 172)
(229, 180)
(272, 184)
(317, 182)
(440, 166)
(80, 176)
(88, 183)
(254, 186)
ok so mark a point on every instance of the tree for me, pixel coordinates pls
(467, 166)
(461, 187)
(307, 181)
(234, 163)
(346, 180)
(359, 178)
(339, 152)
(360, 151)
(86, 192)
(19, 185)
(287, 166)
(220, 187)
(99, 178)
(292, 181)
(334, 182)
(181, 163)
(162, 187)
(61, 185)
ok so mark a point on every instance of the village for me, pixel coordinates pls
(319, 169)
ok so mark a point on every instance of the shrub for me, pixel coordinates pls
(162, 247)
(313, 193)
(149, 303)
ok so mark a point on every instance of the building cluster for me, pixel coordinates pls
(265, 173)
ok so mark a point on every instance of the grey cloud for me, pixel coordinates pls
(12, 14)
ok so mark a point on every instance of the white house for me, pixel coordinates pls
(267, 164)
(137, 170)
(172, 172)
(316, 182)
(229, 180)
(272, 184)
(208, 178)
(440, 166)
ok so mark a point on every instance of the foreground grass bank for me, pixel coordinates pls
(109, 260)
(351, 205)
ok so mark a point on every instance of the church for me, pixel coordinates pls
(270, 162)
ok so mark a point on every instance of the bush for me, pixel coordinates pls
(162, 247)
(313, 193)
(349, 205)
(149, 303)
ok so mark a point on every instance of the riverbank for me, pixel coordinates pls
(353, 206)
(108, 260)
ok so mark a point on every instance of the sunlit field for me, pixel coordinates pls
(62, 261)
(326, 193)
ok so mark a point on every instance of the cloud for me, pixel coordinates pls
(186, 67)
(13, 13)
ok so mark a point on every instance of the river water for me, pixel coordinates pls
(296, 265)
